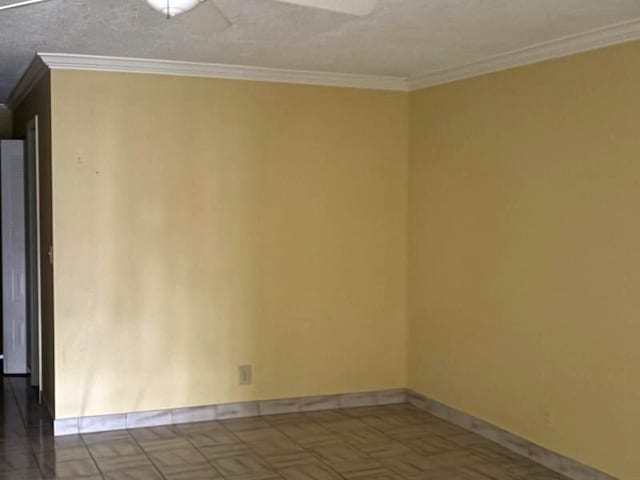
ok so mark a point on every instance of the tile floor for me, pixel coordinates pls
(383, 443)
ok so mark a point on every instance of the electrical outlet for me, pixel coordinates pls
(245, 375)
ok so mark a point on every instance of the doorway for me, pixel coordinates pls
(14, 315)
(21, 268)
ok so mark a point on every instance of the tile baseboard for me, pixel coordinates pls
(175, 416)
(547, 458)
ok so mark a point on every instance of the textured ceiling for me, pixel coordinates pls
(401, 38)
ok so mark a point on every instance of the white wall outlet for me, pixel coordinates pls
(245, 375)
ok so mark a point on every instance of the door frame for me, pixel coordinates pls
(34, 267)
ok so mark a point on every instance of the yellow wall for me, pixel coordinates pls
(524, 263)
(38, 102)
(201, 224)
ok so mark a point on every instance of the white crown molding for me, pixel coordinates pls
(32, 75)
(561, 47)
(591, 40)
(58, 61)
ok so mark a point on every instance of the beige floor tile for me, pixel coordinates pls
(309, 472)
(286, 460)
(178, 460)
(69, 469)
(115, 448)
(395, 442)
(242, 466)
(202, 473)
(145, 473)
(123, 463)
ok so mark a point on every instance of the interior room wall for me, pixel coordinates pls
(203, 224)
(5, 122)
(524, 265)
(38, 102)
(5, 133)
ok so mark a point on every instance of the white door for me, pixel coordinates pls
(14, 307)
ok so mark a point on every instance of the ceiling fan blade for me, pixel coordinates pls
(21, 4)
(351, 7)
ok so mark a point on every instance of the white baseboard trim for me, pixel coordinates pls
(551, 460)
(103, 423)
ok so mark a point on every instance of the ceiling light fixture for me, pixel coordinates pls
(171, 8)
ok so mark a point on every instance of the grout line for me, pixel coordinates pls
(95, 462)
(209, 461)
(146, 454)
(308, 450)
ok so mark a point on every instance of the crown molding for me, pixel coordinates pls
(32, 75)
(599, 38)
(59, 61)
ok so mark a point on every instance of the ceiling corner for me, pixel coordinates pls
(34, 72)
(591, 40)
